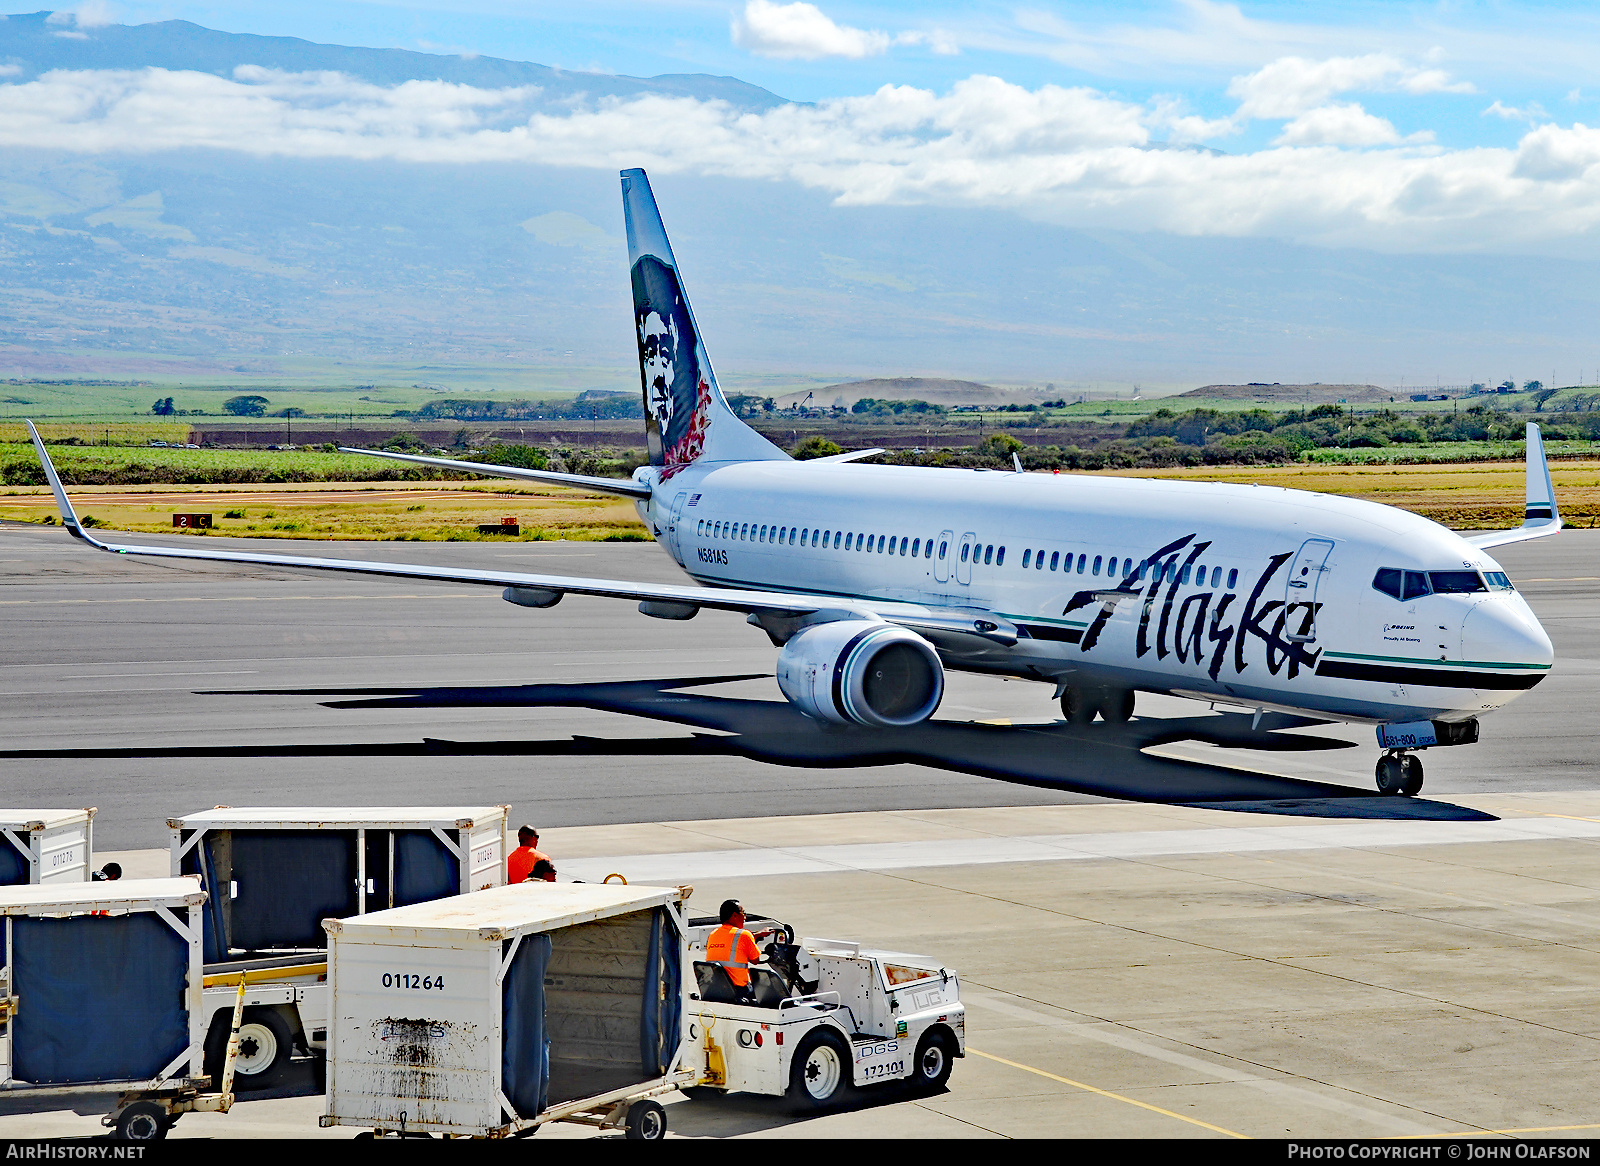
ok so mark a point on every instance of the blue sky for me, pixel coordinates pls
(1525, 56)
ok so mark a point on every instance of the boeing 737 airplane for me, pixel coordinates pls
(873, 580)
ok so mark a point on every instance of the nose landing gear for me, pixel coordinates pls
(1399, 773)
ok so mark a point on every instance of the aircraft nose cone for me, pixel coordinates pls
(1496, 632)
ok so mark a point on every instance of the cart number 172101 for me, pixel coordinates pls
(407, 980)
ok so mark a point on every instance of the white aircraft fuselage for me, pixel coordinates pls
(1251, 595)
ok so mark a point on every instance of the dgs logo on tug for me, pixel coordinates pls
(1192, 634)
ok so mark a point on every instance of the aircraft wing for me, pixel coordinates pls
(627, 489)
(770, 610)
(1540, 516)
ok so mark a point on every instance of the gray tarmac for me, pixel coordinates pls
(152, 658)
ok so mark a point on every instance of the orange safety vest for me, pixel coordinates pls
(521, 863)
(736, 946)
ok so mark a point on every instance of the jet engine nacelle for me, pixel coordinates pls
(862, 672)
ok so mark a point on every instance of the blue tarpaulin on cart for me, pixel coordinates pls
(525, 1051)
(288, 882)
(424, 869)
(15, 866)
(661, 1022)
(99, 998)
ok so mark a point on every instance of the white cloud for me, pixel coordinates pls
(89, 14)
(938, 40)
(1532, 112)
(10, 70)
(1071, 156)
(1338, 125)
(802, 31)
(1290, 86)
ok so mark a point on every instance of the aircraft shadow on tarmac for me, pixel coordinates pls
(1103, 759)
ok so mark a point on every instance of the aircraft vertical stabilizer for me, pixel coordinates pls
(687, 419)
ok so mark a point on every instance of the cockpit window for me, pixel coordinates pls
(1416, 585)
(1497, 581)
(1407, 585)
(1456, 582)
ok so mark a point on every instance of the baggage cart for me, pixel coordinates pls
(102, 1005)
(278, 873)
(491, 1014)
(46, 846)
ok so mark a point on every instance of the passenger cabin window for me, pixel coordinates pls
(927, 552)
(1216, 576)
(916, 548)
(988, 554)
(1000, 557)
(1456, 582)
(1026, 556)
(1111, 567)
(1233, 578)
(963, 552)
(1054, 556)
(1096, 569)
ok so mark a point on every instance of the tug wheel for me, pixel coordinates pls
(935, 1058)
(819, 1075)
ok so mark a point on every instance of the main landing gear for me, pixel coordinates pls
(1115, 705)
(1399, 772)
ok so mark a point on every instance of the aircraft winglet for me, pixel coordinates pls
(69, 517)
(1540, 516)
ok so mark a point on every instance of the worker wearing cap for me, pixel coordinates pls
(520, 865)
(735, 948)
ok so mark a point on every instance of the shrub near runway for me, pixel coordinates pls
(81, 465)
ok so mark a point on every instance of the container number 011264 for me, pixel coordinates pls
(407, 980)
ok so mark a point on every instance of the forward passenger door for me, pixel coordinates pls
(964, 558)
(1300, 590)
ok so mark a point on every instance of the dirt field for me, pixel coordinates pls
(420, 511)
(1466, 496)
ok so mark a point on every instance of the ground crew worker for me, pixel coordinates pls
(543, 871)
(520, 864)
(734, 947)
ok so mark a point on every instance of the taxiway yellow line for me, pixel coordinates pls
(1481, 1133)
(1194, 1121)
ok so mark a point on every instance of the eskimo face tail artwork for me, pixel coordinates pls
(675, 376)
(677, 389)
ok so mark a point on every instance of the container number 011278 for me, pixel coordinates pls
(407, 980)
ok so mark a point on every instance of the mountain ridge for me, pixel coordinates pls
(33, 46)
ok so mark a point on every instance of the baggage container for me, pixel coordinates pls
(491, 1013)
(278, 874)
(102, 1005)
(46, 846)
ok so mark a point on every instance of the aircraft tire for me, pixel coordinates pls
(1391, 774)
(1413, 781)
(1116, 706)
(1079, 705)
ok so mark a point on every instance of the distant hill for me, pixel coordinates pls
(931, 389)
(1293, 394)
(33, 46)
